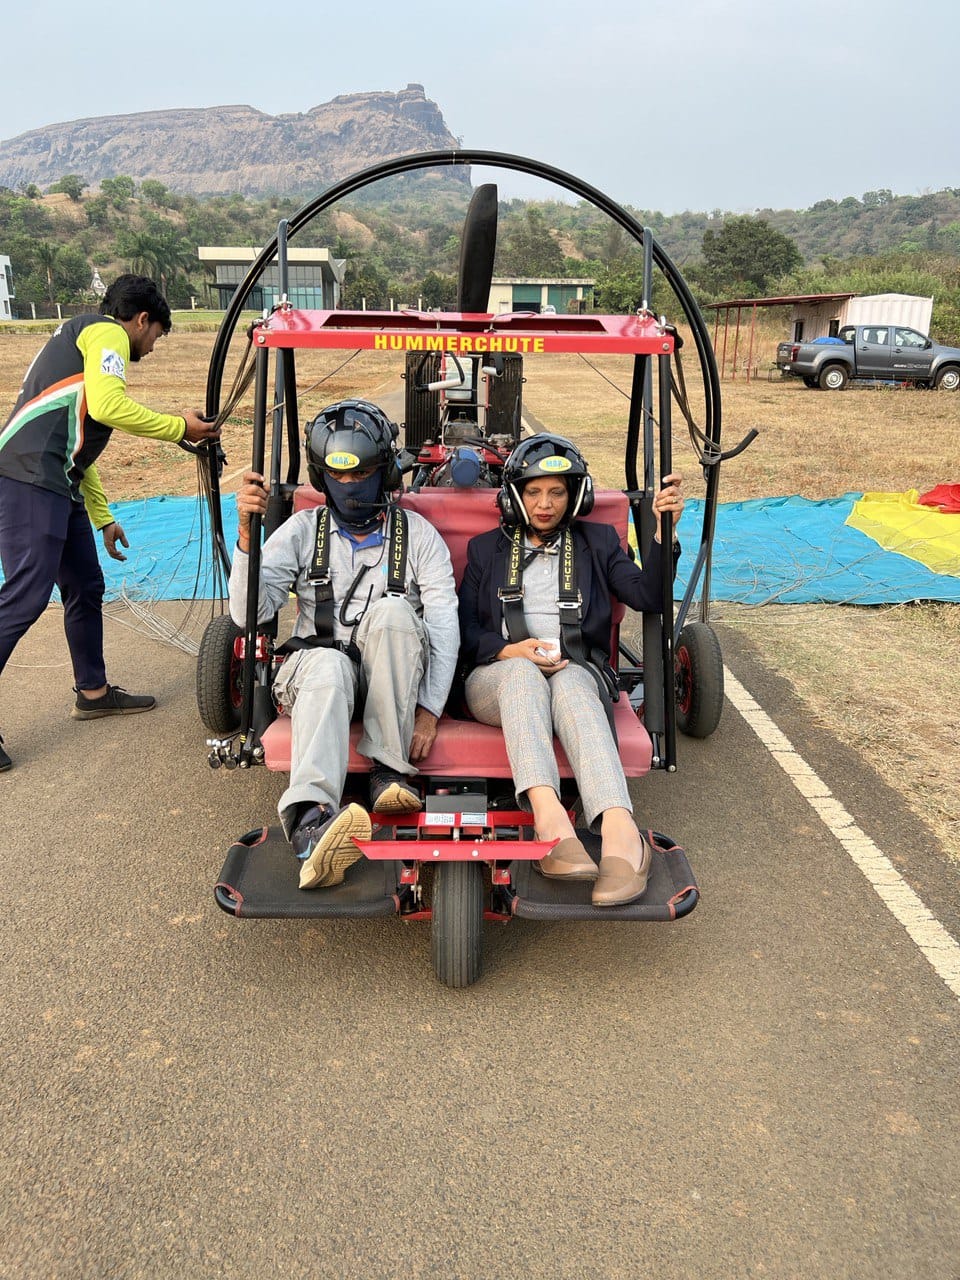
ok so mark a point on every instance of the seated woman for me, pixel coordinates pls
(536, 675)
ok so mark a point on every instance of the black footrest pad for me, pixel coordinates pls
(259, 880)
(671, 890)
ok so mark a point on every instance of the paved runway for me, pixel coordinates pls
(768, 1088)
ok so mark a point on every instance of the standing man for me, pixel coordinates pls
(73, 395)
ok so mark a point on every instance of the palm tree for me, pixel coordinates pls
(46, 255)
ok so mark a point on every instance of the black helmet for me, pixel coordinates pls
(350, 436)
(551, 456)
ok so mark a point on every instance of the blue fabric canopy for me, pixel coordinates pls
(769, 550)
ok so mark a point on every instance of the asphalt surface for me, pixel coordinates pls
(767, 1088)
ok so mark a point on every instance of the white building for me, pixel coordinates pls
(531, 293)
(314, 277)
(7, 293)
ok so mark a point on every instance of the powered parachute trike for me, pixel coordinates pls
(467, 856)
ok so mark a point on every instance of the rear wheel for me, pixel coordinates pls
(833, 378)
(948, 379)
(219, 677)
(808, 381)
(698, 671)
(457, 922)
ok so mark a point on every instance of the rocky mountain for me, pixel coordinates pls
(221, 150)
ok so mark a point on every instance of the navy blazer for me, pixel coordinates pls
(603, 570)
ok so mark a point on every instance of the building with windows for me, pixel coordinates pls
(509, 294)
(314, 278)
(7, 292)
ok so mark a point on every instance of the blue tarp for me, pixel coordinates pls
(768, 550)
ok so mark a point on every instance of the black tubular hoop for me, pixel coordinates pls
(496, 160)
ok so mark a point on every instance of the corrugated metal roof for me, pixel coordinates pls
(777, 302)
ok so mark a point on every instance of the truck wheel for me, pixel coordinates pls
(219, 677)
(948, 379)
(698, 676)
(808, 381)
(457, 934)
(833, 378)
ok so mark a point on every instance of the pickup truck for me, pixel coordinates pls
(884, 352)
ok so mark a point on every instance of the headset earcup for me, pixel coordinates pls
(586, 502)
(507, 506)
(392, 476)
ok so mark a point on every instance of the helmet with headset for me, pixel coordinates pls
(550, 456)
(352, 435)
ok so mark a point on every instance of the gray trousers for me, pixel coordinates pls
(319, 688)
(531, 708)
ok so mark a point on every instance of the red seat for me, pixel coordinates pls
(464, 748)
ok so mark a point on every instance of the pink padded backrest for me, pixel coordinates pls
(459, 514)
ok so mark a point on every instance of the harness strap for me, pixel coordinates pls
(570, 608)
(319, 578)
(511, 593)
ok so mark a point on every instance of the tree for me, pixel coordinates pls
(747, 252)
(71, 185)
(155, 193)
(438, 291)
(118, 190)
(46, 255)
(528, 248)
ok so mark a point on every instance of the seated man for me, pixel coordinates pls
(376, 626)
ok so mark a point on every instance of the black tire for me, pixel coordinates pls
(948, 378)
(457, 937)
(219, 677)
(698, 671)
(809, 382)
(833, 377)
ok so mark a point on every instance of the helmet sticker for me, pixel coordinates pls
(554, 463)
(342, 461)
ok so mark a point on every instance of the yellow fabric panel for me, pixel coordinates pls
(898, 522)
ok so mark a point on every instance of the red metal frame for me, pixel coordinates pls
(463, 333)
(449, 844)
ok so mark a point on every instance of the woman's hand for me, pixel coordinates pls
(669, 502)
(541, 653)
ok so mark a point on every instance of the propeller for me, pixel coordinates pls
(478, 245)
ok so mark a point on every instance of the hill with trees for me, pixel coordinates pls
(401, 240)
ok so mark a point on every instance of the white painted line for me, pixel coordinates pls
(936, 944)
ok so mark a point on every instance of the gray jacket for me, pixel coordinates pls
(287, 557)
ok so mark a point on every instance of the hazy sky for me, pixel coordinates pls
(695, 104)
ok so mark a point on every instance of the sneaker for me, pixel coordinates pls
(324, 840)
(392, 792)
(5, 761)
(115, 702)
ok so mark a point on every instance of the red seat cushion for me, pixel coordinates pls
(466, 749)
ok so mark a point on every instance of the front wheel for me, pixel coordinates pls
(698, 672)
(948, 379)
(219, 677)
(833, 378)
(457, 922)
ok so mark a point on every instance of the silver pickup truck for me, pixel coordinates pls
(884, 352)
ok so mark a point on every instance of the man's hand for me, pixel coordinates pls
(669, 502)
(112, 534)
(251, 500)
(197, 430)
(424, 733)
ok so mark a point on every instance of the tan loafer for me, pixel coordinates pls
(619, 883)
(568, 860)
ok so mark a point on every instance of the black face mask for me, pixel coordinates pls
(357, 504)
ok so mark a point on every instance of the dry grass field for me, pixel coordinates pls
(884, 680)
